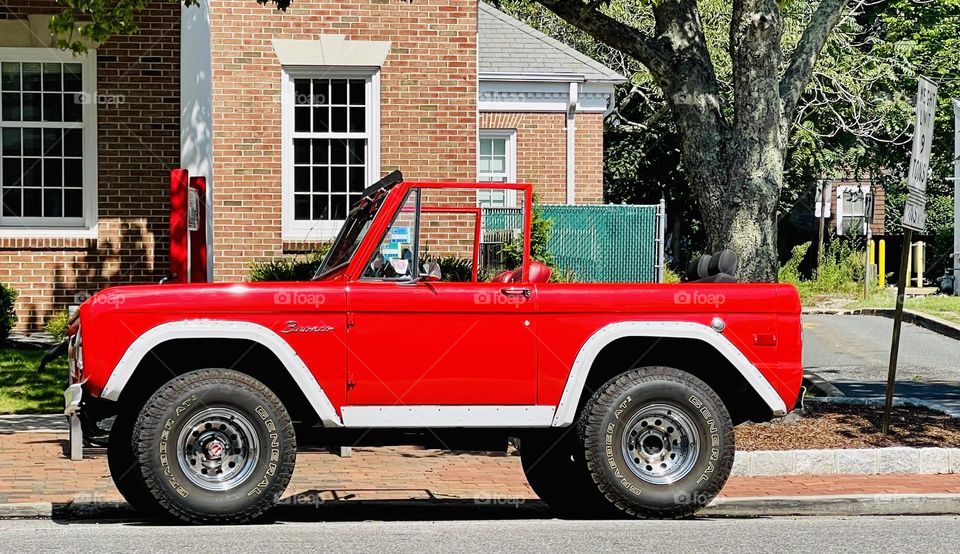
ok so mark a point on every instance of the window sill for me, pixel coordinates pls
(48, 239)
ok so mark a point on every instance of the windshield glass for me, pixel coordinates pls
(352, 233)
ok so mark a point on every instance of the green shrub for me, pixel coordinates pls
(288, 268)
(57, 326)
(539, 237)
(840, 271)
(8, 295)
(670, 276)
(790, 272)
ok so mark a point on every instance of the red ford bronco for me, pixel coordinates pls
(622, 398)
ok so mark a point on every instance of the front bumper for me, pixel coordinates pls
(73, 395)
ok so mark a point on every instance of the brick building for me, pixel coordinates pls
(288, 115)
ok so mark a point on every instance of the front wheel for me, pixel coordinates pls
(658, 442)
(215, 446)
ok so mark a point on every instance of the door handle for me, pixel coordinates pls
(516, 291)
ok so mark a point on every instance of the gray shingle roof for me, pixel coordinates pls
(509, 46)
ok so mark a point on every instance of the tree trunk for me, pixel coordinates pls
(747, 223)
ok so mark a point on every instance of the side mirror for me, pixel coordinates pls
(431, 272)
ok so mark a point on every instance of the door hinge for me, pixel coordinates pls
(350, 382)
(351, 321)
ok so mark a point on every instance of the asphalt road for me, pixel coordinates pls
(782, 535)
(853, 353)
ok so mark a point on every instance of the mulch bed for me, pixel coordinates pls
(845, 426)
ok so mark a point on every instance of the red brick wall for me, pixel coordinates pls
(542, 153)
(139, 141)
(428, 101)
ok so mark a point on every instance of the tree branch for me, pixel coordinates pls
(804, 57)
(652, 53)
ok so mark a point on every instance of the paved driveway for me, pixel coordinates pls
(853, 352)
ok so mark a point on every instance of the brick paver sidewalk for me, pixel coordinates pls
(33, 468)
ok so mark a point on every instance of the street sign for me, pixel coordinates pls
(915, 210)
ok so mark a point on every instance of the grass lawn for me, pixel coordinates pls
(944, 307)
(22, 390)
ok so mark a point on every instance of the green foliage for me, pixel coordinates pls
(790, 271)
(670, 276)
(57, 326)
(22, 390)
(289, 268)
(452, 268)
(539, 237)
(8, 295)
(856, 116)
(840, 271)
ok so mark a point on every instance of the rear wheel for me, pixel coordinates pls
(214, 446)
(658, 442)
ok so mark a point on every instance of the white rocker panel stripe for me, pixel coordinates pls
(212, 328)
(566, 410)
(447, 416)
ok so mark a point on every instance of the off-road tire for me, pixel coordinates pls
(125, 468)
(161, 423)
(553, 462)
(606, 417)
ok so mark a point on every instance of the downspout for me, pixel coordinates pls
(573, 100)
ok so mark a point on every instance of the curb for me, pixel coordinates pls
(898, 402)
(928, 322)
(841, 505)
(896, 460)
(760, 506)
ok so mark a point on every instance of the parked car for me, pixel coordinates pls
(623, 397)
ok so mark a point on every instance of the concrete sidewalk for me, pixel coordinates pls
(36, 475)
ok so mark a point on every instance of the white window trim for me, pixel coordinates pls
(86, 227)
(292, 229)
(511, 136)
(841, 189)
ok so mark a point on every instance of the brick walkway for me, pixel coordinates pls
(33, 469)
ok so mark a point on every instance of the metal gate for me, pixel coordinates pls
(599, 244)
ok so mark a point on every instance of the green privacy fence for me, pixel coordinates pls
(600, 244)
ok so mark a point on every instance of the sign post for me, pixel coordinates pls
(956, 196)
(822, 211)
(914, 219)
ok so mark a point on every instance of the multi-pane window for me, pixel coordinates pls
(331, 143)
(853, 204)
(43, 114)
(495, 164)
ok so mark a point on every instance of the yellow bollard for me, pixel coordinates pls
(882, 265)
(909, 266)
(921, 262)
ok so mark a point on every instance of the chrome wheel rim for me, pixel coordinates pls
(660, 444)
(217, 449)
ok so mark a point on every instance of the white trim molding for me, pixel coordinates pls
(331, 51)
(544, 96)
(569, 401)
(223, 329)
(412, 417)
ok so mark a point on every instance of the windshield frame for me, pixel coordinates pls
(364, 214)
